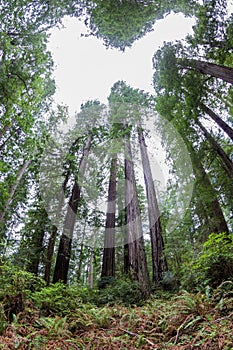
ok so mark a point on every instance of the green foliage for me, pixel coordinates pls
(120, 23)
(120, 291)
(56, 299)
(13, 280)
(3, 319)
(215, 264)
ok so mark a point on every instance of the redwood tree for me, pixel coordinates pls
(108, 265)
(159, 264)
(65, 245)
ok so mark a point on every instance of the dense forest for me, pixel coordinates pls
(94, 252)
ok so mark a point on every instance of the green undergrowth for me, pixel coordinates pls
(33, 316)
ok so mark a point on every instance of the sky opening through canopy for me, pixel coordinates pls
(85, 69)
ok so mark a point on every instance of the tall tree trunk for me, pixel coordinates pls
(80, 263)
(122, 226)
(227, 163)
(137, 255)
(108, 265)
(13, 188)
(91, 270)
(81, 254)
(216, 222)
(159, 263)
(64, 250)
(54, 231)
(224, 126)
(215, 70)
(36, 244)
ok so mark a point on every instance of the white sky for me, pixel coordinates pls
(85, 69)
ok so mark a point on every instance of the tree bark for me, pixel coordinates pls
(91, 270)
(64, 250)
(216, 219)
(54, 231)
(227, 163)
(108, 265)
(36, 244)
(215, 70)
(224, 126)
(13, 188)
(159, 263)
(136, 248)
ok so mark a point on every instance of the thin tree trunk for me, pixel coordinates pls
(81, 254)
(13, 188)
(215, 70)
(91, 270)
(80, 262)
(122, 226)
(137, 255)
(108, 266)
(159, 263)
(64, 250)
(227, 163)
(224, 126)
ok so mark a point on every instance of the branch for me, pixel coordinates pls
(137, 335)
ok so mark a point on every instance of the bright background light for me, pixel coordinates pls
(85, 69)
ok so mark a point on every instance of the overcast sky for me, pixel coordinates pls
(85, 69)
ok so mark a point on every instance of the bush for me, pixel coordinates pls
(215, 265)
(16, 287)
(14, 281)
(123, 291)
(57, 299)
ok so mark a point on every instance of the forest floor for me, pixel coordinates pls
(182, 321)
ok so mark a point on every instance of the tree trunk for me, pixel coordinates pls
(159, 264)
(215, 70)
(53, 236)
(13, 188)
(224, 126)
(91, 270)
(137, 255)
(217, 222)
(108, 266)
(64, 250)
(80, 263)
(50, 252)
(227, 163)
(36, 245)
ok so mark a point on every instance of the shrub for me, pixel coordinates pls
(57, 299)
(122, 290)
(215, 264)
(14, 281)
